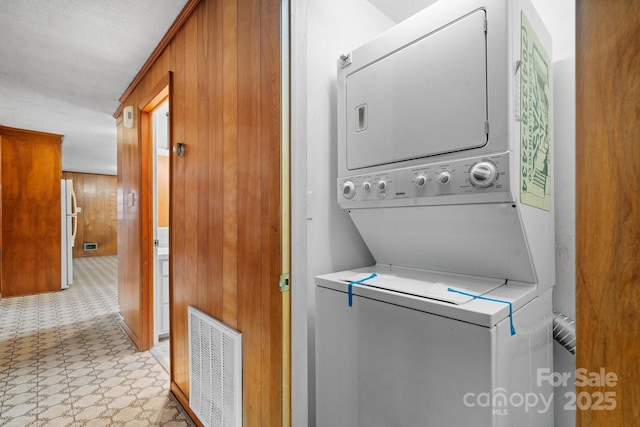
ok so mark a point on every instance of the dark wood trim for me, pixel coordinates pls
(159, 92)
(118, 114)
(186, 12)
(88, 173)
(132, 335)
(8, 131)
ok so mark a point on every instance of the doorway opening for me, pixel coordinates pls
(160, 171)
(155, 126)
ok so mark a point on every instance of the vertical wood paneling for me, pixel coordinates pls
(225, 193)
(129, 268)
(271, 239)
(78, 188)
(250, 291)
(124, 262)
(97, 222)
(165, 63)
(215, 161)
(31, 219)
(189, 284)
(178, 241)
(156, 72)
(192, 157)
(202, 159)
(230, 165)
(90, 217)
(608, 208)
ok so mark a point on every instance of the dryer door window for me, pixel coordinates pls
(425, 99)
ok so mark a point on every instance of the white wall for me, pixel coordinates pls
(324, 238)
(559, 17)
(564, 293)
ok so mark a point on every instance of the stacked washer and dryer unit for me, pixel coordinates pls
(444, 166)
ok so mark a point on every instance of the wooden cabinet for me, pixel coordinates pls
(31, 217)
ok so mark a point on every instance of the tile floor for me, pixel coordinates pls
(161, 352)
(64, 361)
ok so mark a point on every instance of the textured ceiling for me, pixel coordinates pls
(65, 63)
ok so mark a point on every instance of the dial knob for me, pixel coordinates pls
(382, 185)
(348, 189)
(482, 174)
(366, 186)
(421, 181)
(444, 177)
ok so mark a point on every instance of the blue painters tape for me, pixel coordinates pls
(358, 282)
(513, 330)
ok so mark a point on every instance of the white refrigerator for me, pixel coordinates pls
(69, 228)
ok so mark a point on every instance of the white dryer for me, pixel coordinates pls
(444, 166)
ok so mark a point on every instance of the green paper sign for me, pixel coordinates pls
(535, 126)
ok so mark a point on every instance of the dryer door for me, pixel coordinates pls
(427, 98)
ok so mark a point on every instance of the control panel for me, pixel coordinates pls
(478, 180)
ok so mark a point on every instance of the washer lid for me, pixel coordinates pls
(427, 291)
(426, 285)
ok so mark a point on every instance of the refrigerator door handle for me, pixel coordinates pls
(74, 217)
(74, 202)
(74, 229)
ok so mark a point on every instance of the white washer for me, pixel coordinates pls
(433, 167)
(397, 359)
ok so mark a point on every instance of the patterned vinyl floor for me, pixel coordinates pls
(64, 361)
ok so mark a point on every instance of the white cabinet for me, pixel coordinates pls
(162, 294)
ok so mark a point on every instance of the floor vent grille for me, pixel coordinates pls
(215, 371)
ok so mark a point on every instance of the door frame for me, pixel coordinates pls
(607, 221)
(161, 91)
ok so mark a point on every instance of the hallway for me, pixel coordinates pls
(64, 361)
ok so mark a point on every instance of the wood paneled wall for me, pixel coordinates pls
(31, 217)
(129, 234)
(225, 232)
(97, 222)
(608, 208)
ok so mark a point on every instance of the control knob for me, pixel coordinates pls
(483, 174)
(382, 185)
(366, 186)
(444, 177)
(348, 189)
(421, 181)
